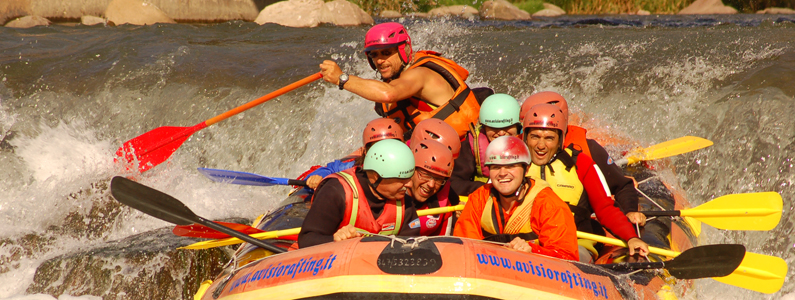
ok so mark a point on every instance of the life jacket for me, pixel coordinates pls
(432, 225)
(561, 174)
(478, 146)
(463, 108)
(575, 135)
(358, 212)
(493, 222)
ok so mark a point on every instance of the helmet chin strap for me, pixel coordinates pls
(374, 186)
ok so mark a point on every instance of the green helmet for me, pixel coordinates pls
(499, 111)
(390, 159)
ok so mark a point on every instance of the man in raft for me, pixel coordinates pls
(415, 86)
(430, 186)
(368, 198)
(516, 208)
(499, 116)
(621, 187)
(576, 179)
(376, 130)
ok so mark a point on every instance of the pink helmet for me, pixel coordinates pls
(507, 150)
(544, 98)
(435, 129)
(388, 35)
(381, 129)
(548, 116)
(433, 157)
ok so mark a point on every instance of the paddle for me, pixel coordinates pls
(201, 231)
(670, 148)
(162, 206)
(757, 272)
(697, 262)
(156, 146)
(244, 178)
(197, 231)
(751, 211)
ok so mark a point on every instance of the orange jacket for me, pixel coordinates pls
(550, 219)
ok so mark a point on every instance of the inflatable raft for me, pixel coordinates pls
(445, 267)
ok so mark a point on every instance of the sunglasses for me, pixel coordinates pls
(378, 53)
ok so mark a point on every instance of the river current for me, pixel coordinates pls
(71, 95)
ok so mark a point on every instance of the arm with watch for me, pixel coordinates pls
(409, 84)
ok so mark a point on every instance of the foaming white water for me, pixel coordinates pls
(57, 162)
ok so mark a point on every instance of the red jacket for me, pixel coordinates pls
(550, 219)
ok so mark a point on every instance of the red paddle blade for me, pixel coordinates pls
(201, 231)
(154, 147)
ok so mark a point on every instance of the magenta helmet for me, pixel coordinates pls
(388, 35)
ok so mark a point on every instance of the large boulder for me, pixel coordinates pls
(28, 22)
(708, 7)
(296, 13)
(776, 11)
(344, 13)
(552, 10)
(464, 11)
(136, 12)
(92, 20)
(182, 10)
(502, 10)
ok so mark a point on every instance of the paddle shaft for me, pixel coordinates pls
(151, 141)
(244, 237)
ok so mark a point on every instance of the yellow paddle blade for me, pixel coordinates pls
(670, 148)
(751, 211)
(757, 272)
(233, 241)
(761, 273)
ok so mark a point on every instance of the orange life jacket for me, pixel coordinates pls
(358, 212)
(575, 135)
(459, 111)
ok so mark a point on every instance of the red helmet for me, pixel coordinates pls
(381, 129)
(388, 35)
(548, 116)
(544, 98)
(507, 150)
(433, 157)
(435, 129)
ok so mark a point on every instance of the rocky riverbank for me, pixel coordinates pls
(293, 13)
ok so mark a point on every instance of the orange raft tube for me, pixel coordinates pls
(377, 267)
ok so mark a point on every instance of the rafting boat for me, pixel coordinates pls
(445, 267)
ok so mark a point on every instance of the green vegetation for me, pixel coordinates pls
(571, 6)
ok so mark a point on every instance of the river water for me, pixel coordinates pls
(71, 95)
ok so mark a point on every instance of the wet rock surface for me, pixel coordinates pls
(144, 266)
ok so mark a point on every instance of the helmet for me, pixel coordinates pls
(390, 159)
(435, 129)
(388, 35)
(381, 129)
(546, 116)
(499, 111)
(434, 157)
(544, 98)
(507, 150)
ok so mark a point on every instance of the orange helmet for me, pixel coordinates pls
(433, 157)
(435, 129)
(381, 129)
(547, 116)
(544, 98)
